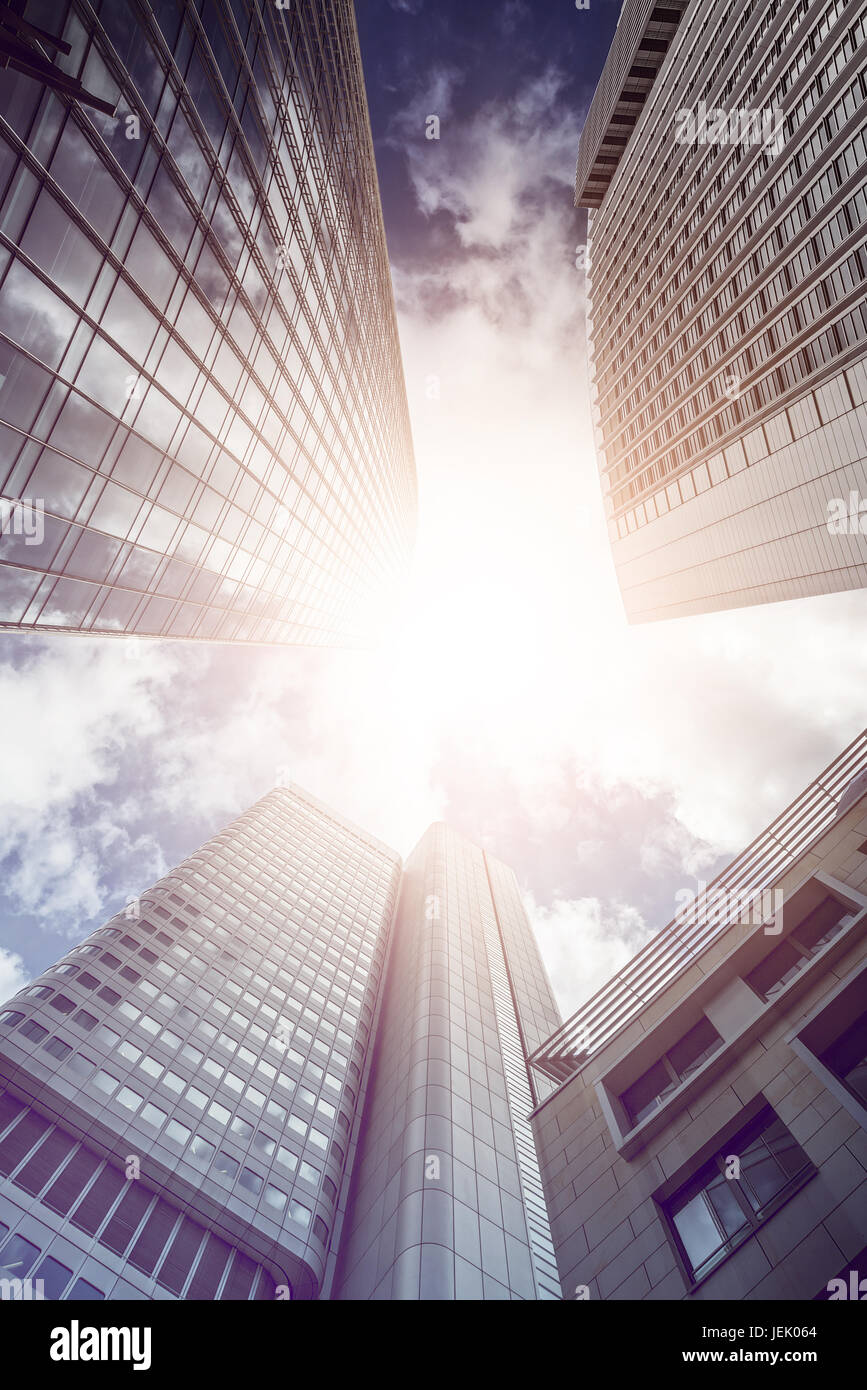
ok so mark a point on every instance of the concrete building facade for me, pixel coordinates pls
(707, 1136)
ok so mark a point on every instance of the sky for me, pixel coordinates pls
(610, 766)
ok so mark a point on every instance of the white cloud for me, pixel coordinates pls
(584, 942)
(13, 975)
(77, 708)
(512, 697)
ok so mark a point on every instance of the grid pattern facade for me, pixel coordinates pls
(727, 317)
(218, 1030)
(446, 1201)
(200, 375)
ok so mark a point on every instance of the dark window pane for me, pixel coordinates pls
(848, 1057)
(83, 1291)
(823, 923)
(179, 1260)
(209, 1272)
(122, 1226)
(775, 971)
(33, 1030)
(250, 1181)
(149, 1246)
(45, 1162)
(72, 1181)
(19, 1140)
(698, 1044)
(644, 1095)
(17, 1257)
(240, 1279)
(712, 1213)
(95, 1205)
(226, 1166)
(54, 1275)
(9, 1109)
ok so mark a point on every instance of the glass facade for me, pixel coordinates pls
(285, 1071)
(723, 162)
(203, 423)
(216, 1031)
(446, 1201)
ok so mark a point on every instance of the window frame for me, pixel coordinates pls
(756, 1217)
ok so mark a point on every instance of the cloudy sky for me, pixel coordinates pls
(610, 766)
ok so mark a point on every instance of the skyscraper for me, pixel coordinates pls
(203, 422)
(182, 1093)
(723, 161)
(446, 1201)
(706, 1139)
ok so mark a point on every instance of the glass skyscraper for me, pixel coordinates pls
(181, 1095)
(181, 1091)
(447, 1200)
(723, 162)
(203, 422)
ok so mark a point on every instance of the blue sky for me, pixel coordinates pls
(610, 766)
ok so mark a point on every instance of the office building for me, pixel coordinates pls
(446, 1201)
(706, 1139)
(723, 164)
(182, 1093)
(203, 422)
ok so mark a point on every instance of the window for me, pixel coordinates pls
(54, 1276)
(650, 1090)
(33, 1030)
(275, 1198)
(202, 1150)
(847, 1058)
(17, 1257)
(226, 1166)
(251, 1181)
(82, 1290)
(712, 1214)
(806, 941)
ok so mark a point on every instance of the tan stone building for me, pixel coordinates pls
(706, 1137)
